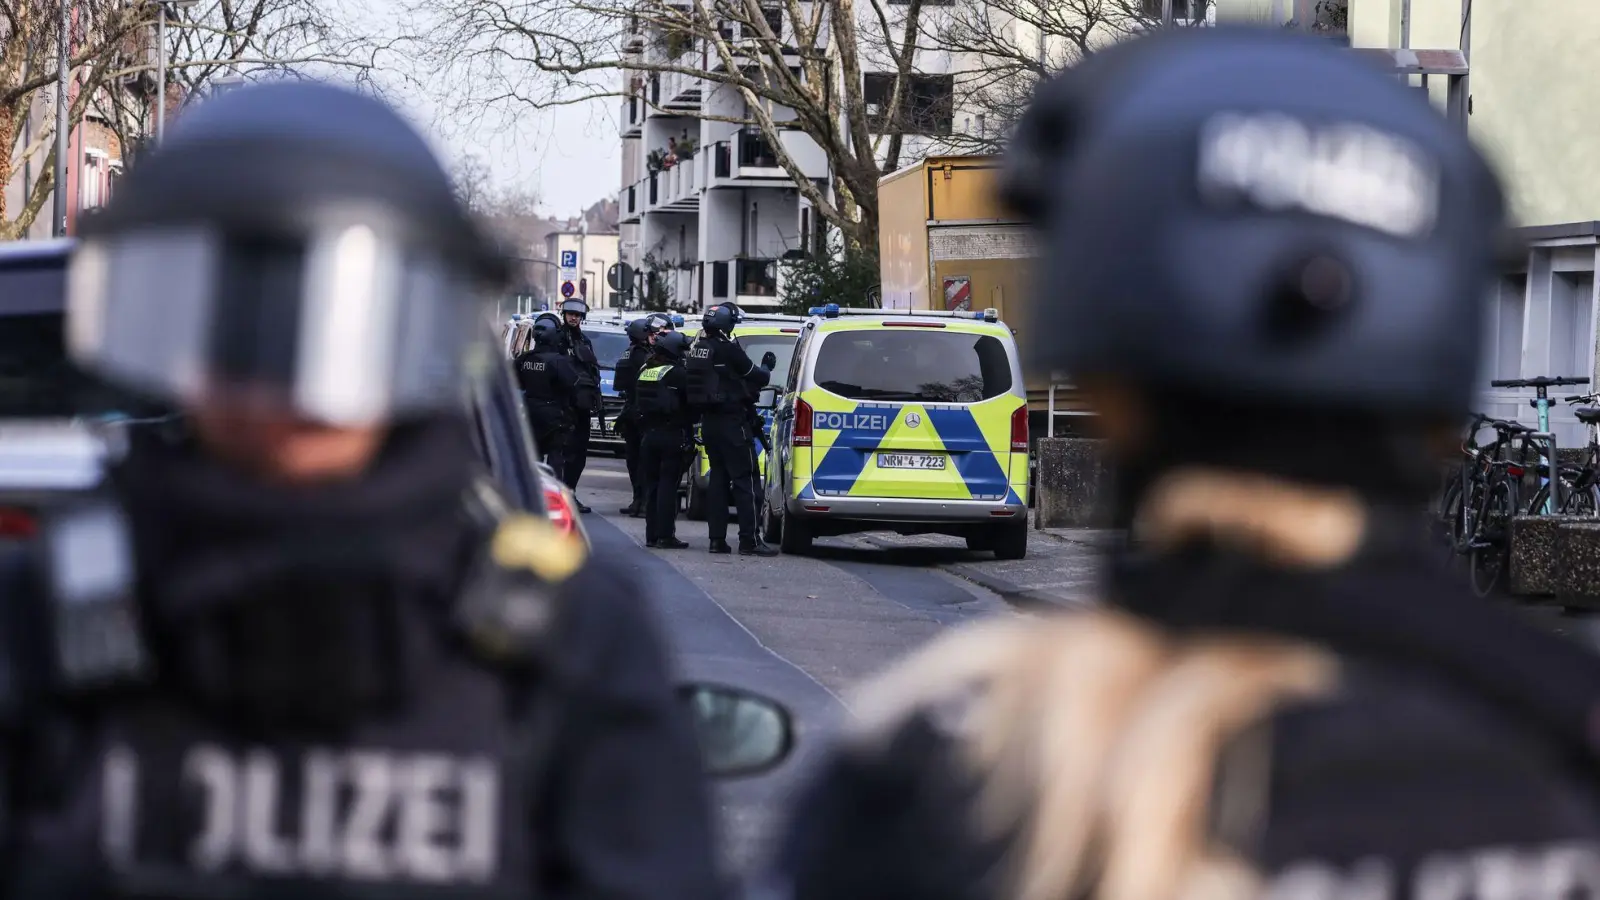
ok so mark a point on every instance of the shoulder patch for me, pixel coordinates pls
(532, 543)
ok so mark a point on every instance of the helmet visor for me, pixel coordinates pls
(341, 325)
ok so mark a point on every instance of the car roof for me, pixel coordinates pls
(19, 253)
(876, 323)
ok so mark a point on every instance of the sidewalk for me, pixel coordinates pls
(1061, 568)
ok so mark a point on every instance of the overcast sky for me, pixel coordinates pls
(570, 156)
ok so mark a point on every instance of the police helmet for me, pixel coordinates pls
(1262, 216)
(659, 322)
(638, 331)
(294, 237)
(546, 331)
(722, 317)
(672, 344)
(574, 305)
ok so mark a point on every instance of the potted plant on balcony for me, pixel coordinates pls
(687, 148)
(655, 161)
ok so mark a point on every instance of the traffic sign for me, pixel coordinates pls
(569, 259)
(583, 287)
(567, 289)
(619, 276)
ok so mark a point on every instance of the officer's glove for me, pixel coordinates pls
(766, 441)
(769, 360)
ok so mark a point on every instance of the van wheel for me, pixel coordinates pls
(1010, 541)
(695, 509)
(794, 537)
(771, 523)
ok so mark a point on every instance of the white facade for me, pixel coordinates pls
(713, 225)
(592, 255)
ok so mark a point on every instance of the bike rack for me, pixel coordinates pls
(1052, 412)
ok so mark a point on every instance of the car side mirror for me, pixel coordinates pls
(767, 398)
(740, 733)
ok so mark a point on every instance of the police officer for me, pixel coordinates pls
(1287, 698)
(722, 386)
(668, 422)
(627, 372)
(586, 397)
(311, 655)
(548, 380)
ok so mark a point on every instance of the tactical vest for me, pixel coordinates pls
(705, 382)
(145, 796)
(586, 395)
(654, 398)
(536, 373)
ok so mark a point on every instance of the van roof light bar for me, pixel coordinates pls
(834, 310)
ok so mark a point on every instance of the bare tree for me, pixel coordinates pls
(798, 66)
(113, 63)
(1007, 46)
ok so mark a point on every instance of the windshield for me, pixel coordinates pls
(609, 346)
(781, 345)
(913, 365)
(36, 378)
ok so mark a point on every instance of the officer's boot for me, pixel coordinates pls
(718, 547)
(757, 548)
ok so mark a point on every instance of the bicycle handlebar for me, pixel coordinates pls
(1581, 398)
(1542, 381)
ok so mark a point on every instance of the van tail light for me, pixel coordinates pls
(1019, 430)
(561, 513)
(802, 423)
(17, 523)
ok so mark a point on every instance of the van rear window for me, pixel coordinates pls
(913, 365)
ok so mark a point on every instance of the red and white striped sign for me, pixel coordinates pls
(958, 293)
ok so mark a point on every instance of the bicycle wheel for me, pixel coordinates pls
(1448, 519)
(1582, 501)
(1491, 543)
(1569, 480)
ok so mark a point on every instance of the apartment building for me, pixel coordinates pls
(1531, 101)
(707, 213)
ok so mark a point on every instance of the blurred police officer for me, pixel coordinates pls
(548, 380)
(668, 423)
(1264, 260)
(586, 396)
(722, 387)
(329, 663)
(627, 372)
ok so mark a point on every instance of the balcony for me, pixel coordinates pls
(681, 93)
(633, 113)
(755, 283)
(629, 204)
(745, 158)
(676, 189)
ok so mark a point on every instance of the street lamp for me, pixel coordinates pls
(161, 61)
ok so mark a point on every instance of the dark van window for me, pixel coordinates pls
(609, 346)
(36, 378)
(913, 364)
(781, 345)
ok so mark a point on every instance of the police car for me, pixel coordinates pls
(899, 420)
(758, 333)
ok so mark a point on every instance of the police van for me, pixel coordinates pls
(757, 334)
(914, 421)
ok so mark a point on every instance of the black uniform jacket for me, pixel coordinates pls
(1423, 743)
(582, 780)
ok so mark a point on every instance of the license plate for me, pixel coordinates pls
(594, 424)
(910, 461)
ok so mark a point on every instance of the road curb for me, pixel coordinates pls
(1011, 592)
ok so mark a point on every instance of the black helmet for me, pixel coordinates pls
(672, 344)
(1260, 216)
(546, 332)
(574, 305)
(638, 331)
(290, 235)
(722, 317)
(659, 322)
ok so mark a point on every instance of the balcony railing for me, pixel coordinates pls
(747, 154)
(752, 279)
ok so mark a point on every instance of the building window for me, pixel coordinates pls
(805, 228)
(774, 17)
(1182, 10)
(91, 181)
(927, 104)
(1572, 325)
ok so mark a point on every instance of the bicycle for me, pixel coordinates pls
(1485, 499)
(1553, 494)
(1580, 482)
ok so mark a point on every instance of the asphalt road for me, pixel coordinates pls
(802, 630)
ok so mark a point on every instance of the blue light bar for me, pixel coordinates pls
(831, 310)
(677, 320)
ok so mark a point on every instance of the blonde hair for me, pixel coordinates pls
(1098, 742)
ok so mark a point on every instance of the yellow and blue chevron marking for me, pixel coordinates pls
(847, 436)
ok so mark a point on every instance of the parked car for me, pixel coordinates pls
(59, 425)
